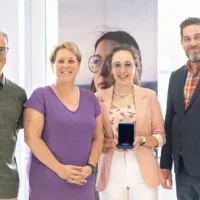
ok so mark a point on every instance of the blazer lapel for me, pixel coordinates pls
(140, 106)
(105, 103)
(180, 93)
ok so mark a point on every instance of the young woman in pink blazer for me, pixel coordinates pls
(129, 174)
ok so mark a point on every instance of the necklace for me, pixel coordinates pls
(123, 95)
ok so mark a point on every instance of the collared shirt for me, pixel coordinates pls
(191, 82)
(12, 98)
(2, 80)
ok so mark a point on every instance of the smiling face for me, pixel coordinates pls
(123, 67)
(66, 66)
(102, 79)
(191, 42)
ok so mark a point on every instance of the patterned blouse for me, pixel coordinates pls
(126, 114)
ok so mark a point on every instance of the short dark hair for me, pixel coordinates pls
(121, 37)
(187, 22)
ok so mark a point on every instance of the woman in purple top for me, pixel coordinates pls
(63, 128)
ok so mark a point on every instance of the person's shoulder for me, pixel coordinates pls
(40, 94)
(104, 92)
(87, 95)
(15, 87)
(146, 91)
(179, 70)
(86, 91)
(41, 91)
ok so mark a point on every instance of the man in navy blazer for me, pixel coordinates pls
(182, 121)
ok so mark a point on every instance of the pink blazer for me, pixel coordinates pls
(148, 121)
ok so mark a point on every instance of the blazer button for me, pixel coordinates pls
(184, 116)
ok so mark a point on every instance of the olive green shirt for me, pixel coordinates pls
(12, 98)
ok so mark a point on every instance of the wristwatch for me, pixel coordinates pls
(143, 141)
(92, 167)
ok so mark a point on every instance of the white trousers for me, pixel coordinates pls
(126, 181)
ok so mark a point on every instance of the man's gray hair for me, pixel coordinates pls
(2, 32)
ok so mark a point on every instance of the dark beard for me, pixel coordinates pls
(194, 57)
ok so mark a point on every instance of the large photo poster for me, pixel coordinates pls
(90, 23)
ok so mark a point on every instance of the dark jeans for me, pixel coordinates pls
(187, 187)
(96, 194)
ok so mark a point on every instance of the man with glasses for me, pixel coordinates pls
(12, 98)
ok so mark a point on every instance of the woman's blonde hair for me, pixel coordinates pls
(66, 45)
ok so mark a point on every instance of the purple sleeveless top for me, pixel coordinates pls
(69, 137)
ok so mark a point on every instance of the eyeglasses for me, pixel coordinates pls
(3, 50)
(127, 65)
(95, 62)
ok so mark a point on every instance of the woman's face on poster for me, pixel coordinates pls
(102, 78)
